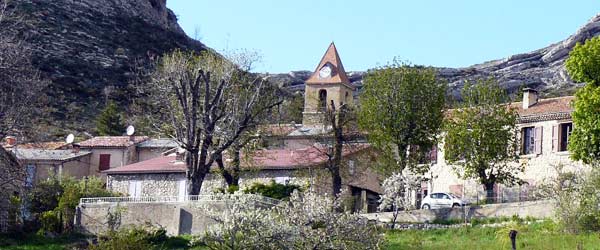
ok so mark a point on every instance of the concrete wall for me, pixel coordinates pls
(77, 168)
(176, 218)
(149, 153)
(535, 209)
(538, 169)
(118, 157)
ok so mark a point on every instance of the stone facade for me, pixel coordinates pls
(150, 184)
(539, 168)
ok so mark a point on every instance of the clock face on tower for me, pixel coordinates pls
(325, 71)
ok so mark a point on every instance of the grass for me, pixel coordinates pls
(35, 242)
(534, 236)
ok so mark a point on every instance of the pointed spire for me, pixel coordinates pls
(338, 74)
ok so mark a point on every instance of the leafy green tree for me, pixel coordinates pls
(481, 137)
(402, 112)
(110, 121)
(584, 143)
(583, 65)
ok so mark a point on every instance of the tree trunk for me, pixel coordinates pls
(489, 192)
(229, 179)
(195, 184)
(336, 181)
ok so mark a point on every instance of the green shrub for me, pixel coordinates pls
(50, 222)
(135, 238)
(273, 190)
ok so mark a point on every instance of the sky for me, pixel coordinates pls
(293, 35)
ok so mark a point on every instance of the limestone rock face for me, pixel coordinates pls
(542, 69)
(87, 47)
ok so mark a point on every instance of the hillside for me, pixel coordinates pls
(542, 69)
(89, 47)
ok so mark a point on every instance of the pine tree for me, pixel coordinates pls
(109, 121)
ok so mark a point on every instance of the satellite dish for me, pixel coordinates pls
(70, 138)
(130, 130)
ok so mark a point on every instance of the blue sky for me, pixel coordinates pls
(293, 35)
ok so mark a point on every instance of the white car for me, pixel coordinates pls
(441, 200)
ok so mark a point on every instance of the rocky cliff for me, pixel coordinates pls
(87, 48)
(542, 69)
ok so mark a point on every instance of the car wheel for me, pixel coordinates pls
(455, 205)
(426, 206)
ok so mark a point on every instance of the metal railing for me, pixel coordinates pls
(174, 199)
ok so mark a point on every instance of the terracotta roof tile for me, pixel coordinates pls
(163, 164)
(48, 155)
(277, 129)
(112, 141)
(545, 109)
(557, 108)
(338, 74)
(264, 159)
(43, 145)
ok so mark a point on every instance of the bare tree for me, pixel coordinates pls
(21, 86)
(21, 92)
(207, 104)
(341, 127)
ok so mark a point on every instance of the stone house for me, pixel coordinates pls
(41, 164)
(165, 176)
(544, 127)
(12, 176)
(111, 151)
(153, 148)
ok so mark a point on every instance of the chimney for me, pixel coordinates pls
(530, 97)
(75, 148)
(11, 141)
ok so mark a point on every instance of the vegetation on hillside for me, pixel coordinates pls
(110, 121)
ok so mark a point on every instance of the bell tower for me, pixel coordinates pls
(327, 83)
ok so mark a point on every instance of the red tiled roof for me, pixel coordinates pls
(546, 106)
(263, 159)
(52, 145)
(338, 74)
(163, 164)
(545, 109)
(112, 141)
(277, 129)
(293, 159)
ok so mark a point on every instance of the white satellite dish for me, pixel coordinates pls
(130, 130)
(70, 138)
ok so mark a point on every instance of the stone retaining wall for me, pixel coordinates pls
(535, 209)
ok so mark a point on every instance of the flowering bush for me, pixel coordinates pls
(396, 190)
(306, 221)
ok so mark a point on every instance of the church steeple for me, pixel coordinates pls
(329, 82)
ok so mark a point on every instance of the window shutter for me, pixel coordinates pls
(104, 162)
(433, 154)
(538, 140)
(555, 138)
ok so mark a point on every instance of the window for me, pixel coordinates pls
(30, 176)
(104, 163)
(322, 100)
(282, 180)
(351, 167)
(135, 188)
(561, 134)
(531, 140)
(528, 140)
